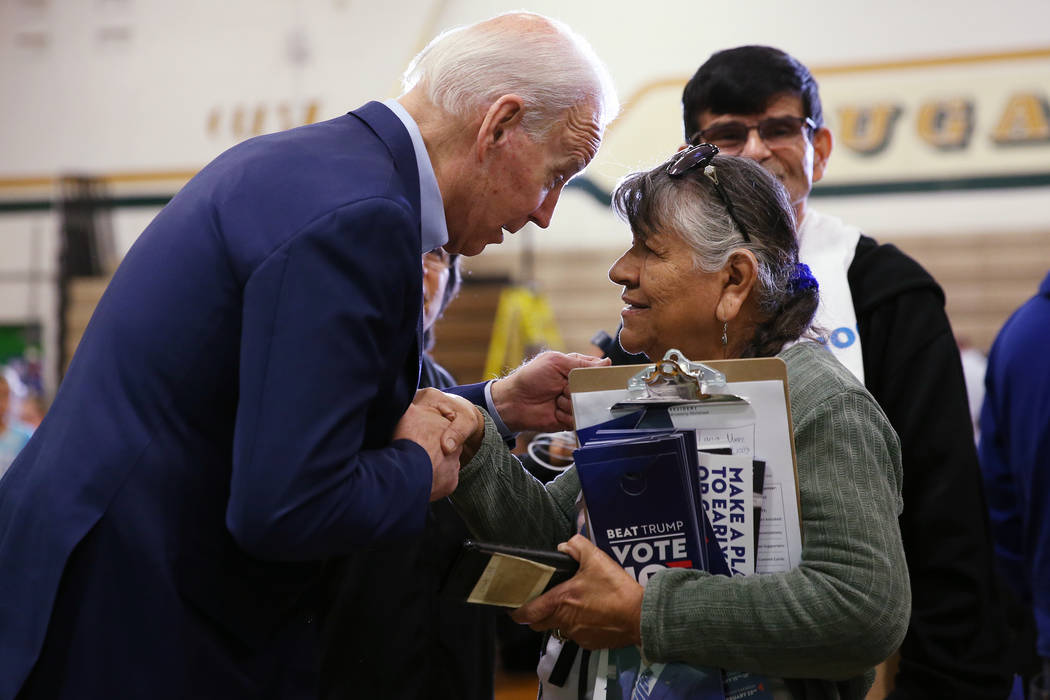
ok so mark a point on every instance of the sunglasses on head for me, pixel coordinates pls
(700, 156)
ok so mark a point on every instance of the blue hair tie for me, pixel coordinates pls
(803, 280)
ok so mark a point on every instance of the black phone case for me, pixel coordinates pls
(474, 556)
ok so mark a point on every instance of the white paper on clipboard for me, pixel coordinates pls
(761, 428)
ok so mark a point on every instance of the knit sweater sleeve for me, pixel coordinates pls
(845, 607)
(501, 502)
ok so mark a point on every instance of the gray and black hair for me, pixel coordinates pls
(547, 64)
(689, 205)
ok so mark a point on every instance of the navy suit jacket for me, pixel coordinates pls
(225, 427)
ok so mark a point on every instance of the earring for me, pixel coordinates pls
(725, 330)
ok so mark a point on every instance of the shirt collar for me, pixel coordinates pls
(431, 208)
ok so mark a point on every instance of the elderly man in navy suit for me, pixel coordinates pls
(243, 405)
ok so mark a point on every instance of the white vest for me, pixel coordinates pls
(827, 245)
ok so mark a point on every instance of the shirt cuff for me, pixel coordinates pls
(501, 427)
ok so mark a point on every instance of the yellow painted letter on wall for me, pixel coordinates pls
(867, 130)
(1025, 119)
(946, 124)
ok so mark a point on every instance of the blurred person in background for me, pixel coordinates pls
(442, 279)
(1015, 459)
(14, 431)
(886, 322)
(34, 408)
(433, 648)
(974, 364)
(26, 371)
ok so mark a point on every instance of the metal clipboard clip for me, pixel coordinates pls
(675, 381)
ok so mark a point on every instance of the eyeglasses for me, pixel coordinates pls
(700, 156)
(776, 132)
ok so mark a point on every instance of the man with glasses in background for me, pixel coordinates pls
(884, 318)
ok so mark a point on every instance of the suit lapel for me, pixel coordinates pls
(393, 134)
(395, 137)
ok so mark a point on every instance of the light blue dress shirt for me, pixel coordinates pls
(432, 218)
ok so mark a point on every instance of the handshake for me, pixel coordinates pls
(533, 397)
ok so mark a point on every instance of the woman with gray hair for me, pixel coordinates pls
(713, 271)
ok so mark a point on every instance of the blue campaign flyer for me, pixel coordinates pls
(712, 559)
(640, 503)
(642, 499)
(627, 670)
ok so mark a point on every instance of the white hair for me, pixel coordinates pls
(539, 59)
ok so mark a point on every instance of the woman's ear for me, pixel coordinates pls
(740, 275)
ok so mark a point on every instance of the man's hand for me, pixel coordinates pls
(466, 423)
(440, 423)
(536, 395)
(598, 608)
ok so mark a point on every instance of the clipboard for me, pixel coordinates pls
(761, 424)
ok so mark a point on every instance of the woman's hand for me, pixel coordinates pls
(449, 428)
(466, 425)
(598, 608)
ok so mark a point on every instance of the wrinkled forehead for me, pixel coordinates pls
(653, 221)
(656, 230)
(581, 134)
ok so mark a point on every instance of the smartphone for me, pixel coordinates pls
(487, 573)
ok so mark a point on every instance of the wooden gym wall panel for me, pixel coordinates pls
(985, 278)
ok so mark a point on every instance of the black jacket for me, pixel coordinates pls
(389, 634)
(956, 638)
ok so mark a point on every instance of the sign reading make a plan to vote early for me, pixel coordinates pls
(726, 483)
